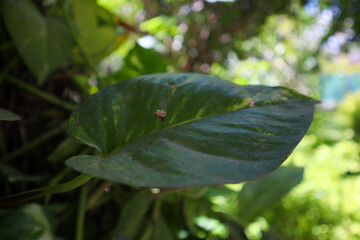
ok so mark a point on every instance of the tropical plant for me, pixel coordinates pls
(153, 150)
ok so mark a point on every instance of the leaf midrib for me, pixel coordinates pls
(186, 122)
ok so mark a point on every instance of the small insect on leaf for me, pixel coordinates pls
(160, 114)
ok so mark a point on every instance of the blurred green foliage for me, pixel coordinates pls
(31, 221)
(71, 49)
(326, 203)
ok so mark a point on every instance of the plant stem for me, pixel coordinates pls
(65, 187)
(56, 180)
(68, 186)
(33, 143)
(2, 143)
(41, 94)
(96, 195)
(79, 235)
(6, 68)
(157, 209)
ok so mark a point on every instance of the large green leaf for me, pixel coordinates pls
(258, 196)
(215, 132)
(43, 42)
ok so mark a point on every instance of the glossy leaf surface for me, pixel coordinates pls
(215, 132)
(43, 42)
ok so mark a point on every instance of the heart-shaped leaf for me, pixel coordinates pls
(96, 29)
(215, 132)
(43, 42)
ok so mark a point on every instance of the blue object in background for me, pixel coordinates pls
(334, 88)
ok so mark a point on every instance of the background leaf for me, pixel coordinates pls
(64, 150)
(43, 42)
(6, 115)
(96, 27)
(27, 223)
(141, 61)
(161, 230)
(258, 196)
(132, 216)
(215, 132)
(11, 174)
